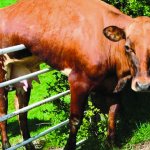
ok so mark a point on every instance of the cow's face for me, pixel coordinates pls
(137, 48)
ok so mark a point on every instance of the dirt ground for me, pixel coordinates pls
(142, 146)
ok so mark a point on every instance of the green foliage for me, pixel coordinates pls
(143, 132)
(132, 7)
(4, 3)
(92, 127)
(57, 85)
(56, 111)
(43, 117)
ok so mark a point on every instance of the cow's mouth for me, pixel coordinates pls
(142, 87)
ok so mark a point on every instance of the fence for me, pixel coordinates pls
(27, 108)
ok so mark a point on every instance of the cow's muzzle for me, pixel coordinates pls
(141, 86)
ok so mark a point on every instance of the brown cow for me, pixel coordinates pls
(70, 35)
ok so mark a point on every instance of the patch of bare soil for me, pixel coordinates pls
(142, 146)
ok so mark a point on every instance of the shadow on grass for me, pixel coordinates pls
(135, 111)
(33, 124)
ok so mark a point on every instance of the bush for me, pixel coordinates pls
(91, 128)
(132, 7)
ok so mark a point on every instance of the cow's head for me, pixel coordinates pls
(137, 48)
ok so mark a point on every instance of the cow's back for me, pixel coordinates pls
(69, 32)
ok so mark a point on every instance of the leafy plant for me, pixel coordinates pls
(57, 85)
(132, 7)
(4, 3)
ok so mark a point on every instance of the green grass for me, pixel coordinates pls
(142, 132)
(4, 3)
(139, 135)
(40, 118)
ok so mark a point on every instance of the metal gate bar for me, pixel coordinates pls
(80, 142)
(13, 81)
(12, 49)
(27, 108)
(39, 135)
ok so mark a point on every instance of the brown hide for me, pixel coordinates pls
(68, 34)
(138, 51)
(137, 37)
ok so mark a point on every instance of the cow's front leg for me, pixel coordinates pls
(79, 94)
(22, 100)
(112, 122)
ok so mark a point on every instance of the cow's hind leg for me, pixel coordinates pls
(3, 106)
(22, 100)
(79, 93)
(3, 125)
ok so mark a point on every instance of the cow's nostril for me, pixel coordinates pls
(142, 86)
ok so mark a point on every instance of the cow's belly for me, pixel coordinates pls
(108, 85)
(19, 67)
(102, 98)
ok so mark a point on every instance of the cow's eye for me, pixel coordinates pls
(128, 49)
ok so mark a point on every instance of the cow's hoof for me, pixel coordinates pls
(69, 147)
(71, 144)
(30, 146)
(6, 145)
(111, 141)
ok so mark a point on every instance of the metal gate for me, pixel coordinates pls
(27, 108)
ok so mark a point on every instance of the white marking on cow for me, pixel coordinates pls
(25, 86)
(66, 71)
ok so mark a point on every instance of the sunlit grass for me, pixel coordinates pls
(4, 3)
(40, 118)
(142, 132)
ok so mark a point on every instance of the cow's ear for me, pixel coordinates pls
(114, 33)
